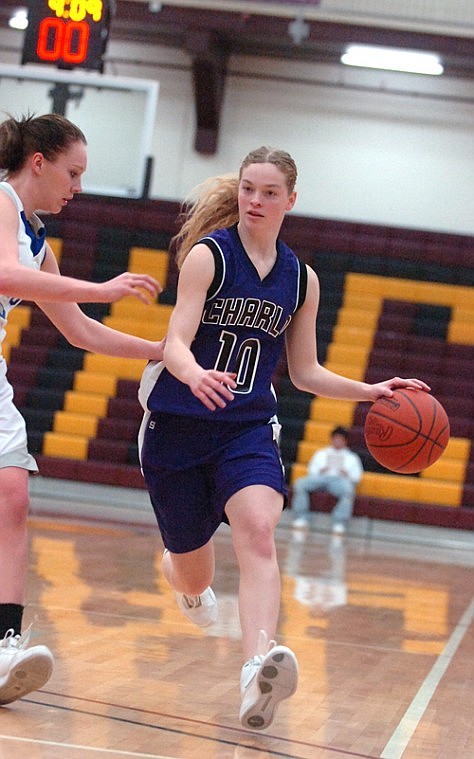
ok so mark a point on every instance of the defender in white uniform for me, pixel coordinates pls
(42, 160)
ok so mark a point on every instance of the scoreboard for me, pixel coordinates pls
(67, 33)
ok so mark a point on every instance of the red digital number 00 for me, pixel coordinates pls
(60, 40)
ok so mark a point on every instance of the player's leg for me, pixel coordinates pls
(253, 514)
(13, 534)
(22, 669)
(190, 575)
(270, 672)
(180, 499)
(190, 572)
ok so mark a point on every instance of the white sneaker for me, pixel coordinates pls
(300, 523)
(202, 609)
(266, 679)
(339, 528)
(22, 669)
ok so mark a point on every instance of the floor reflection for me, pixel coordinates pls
(327, 589)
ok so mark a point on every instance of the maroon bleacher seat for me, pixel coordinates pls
(113, 451)
(117, 429)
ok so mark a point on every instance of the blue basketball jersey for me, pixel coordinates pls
(241, 330)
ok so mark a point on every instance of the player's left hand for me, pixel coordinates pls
(386, 388)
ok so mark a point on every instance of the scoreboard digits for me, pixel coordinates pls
(67, 33)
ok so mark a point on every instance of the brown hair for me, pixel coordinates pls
(213, 204)
(49, 134)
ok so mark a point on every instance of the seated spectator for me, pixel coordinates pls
(336, 470)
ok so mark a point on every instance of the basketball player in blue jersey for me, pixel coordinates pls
(209, 438)
(42, 160)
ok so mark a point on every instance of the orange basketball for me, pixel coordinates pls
(407, 432)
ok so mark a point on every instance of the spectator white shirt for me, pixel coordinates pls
(334, 462)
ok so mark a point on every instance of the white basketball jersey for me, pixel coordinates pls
(31, 250)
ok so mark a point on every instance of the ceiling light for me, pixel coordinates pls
(392, 59)
(19, 20)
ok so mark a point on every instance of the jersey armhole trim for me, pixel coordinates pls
(218, 277)
(303, 285)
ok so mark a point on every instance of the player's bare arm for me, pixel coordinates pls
(209, 385)
(307, 373)
(46, 285)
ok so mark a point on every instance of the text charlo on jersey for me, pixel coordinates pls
(246, 312)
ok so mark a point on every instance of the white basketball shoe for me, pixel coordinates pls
(202, 609)
(22, 669)
(266, 679)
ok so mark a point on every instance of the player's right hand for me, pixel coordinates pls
(213, 388)
(141, 286)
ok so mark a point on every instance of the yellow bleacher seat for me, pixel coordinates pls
(356, 317)
(20, 315)
(351, 371)
(123, 368)
(13, 334)
(441, 493)
(317, 431)
(463, 314)
(86, 403)
(445, 295)
(451, 470)
(366, 302)
(306, 448)
(90, 382)
(399, 487)
(361, 336)
(149, 329)
(65, 446)
(298, 470)
(341, 353)
(83, 425)
(407, 488)
(130, 307)
(461, 332)
(357, 285)
(361, 284)
(56, 245)
(458, 448)
(329, 410)
(149, 261)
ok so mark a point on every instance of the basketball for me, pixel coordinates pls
(407, 432)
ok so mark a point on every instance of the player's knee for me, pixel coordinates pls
(262, 541)
(14, 499)
(15, 511)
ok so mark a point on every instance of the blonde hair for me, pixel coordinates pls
(213, 204)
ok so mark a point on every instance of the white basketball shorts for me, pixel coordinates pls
(13, 441)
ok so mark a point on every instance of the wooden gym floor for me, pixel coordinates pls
(381, 621)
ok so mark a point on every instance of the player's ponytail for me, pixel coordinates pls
(49, 134)
(11, 146)
(211, 205)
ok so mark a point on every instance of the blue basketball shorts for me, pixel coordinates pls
(193, 466)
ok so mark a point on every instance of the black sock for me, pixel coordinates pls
(10, 619)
